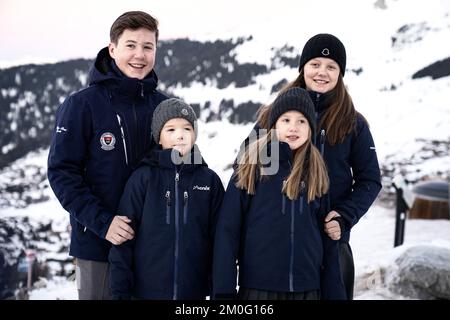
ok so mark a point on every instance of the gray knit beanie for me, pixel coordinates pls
(170, 109)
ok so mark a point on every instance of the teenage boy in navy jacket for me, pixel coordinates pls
(101, 134)
(172, 199)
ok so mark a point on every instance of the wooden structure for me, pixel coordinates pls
(432, 201)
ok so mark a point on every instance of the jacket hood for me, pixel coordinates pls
(163, 159)
(106, 72)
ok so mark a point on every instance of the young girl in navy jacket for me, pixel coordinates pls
(272, 216)
(172, 200)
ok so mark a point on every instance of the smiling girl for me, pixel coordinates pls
(273, 224)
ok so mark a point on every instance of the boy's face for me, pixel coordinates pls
(178, 134)
(135, 52)
(293, 128)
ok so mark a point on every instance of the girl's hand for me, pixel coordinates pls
(332, 227)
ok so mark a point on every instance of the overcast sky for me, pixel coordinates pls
(54, 30)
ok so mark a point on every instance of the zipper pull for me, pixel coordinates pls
(185, 195)
(177, 177)
(185, 209)
(283, 198)
(142, 89)
(322, 141)
(302, 189)
(168, 198)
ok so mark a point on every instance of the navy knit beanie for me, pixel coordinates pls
(294, 99)
(324, 45)
(170, 109)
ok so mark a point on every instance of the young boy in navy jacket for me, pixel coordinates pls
(272, 218)
(172, 200)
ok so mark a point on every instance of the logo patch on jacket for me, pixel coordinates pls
(204, 188)
(107, 141)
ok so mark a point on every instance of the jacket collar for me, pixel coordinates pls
(172, 159)
(285, 154)
(321, 101)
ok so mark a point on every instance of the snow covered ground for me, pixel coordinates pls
(372, 244)
(372, 241)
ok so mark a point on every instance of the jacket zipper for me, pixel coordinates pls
(136, 130)
(123, 138)
(167, 207)
(283, 200)
(177, 238)
(317, 114)
(291, 262)
(302, 189)
(291, 258)
(185, 206)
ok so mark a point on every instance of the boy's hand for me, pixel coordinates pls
(119, 231)
(332, 227)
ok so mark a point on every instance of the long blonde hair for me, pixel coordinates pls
(308, 169)
(338, 121)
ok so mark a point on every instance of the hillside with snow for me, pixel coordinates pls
(398, 74)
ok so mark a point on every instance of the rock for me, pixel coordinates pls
(421, 272)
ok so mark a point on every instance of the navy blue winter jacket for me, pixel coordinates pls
(280, 244)
(355, 179)
(101, 133)
(174, 212)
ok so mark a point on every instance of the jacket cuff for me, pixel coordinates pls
(346, 219)
(105, 219)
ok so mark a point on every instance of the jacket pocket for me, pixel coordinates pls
(185, 206)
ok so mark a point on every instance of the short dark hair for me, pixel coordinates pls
(133, 20)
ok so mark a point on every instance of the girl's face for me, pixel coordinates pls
(293, 128)
(178, 134)
(321, 74)
(135, 52)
